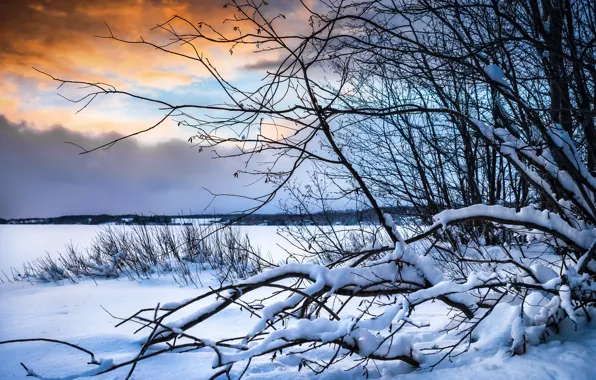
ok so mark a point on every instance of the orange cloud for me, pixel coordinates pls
(57, 36)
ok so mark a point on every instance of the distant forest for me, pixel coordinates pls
(343, 217)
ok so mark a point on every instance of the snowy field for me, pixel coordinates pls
(75, 313)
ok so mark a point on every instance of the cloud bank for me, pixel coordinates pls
(41, 176)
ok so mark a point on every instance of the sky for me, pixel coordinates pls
(41, 176)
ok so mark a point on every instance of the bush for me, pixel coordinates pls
(141, 251)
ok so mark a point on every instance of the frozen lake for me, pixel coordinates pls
(22, 243)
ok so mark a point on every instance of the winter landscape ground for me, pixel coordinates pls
(78, 313)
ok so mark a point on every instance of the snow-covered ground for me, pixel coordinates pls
(75, 313)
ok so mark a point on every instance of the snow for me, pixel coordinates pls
(565, 295)
(526, 215)
(19, 243)
(517, 334)
(73, 312)
(542, 273)
(496, 74)
(539, 307)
